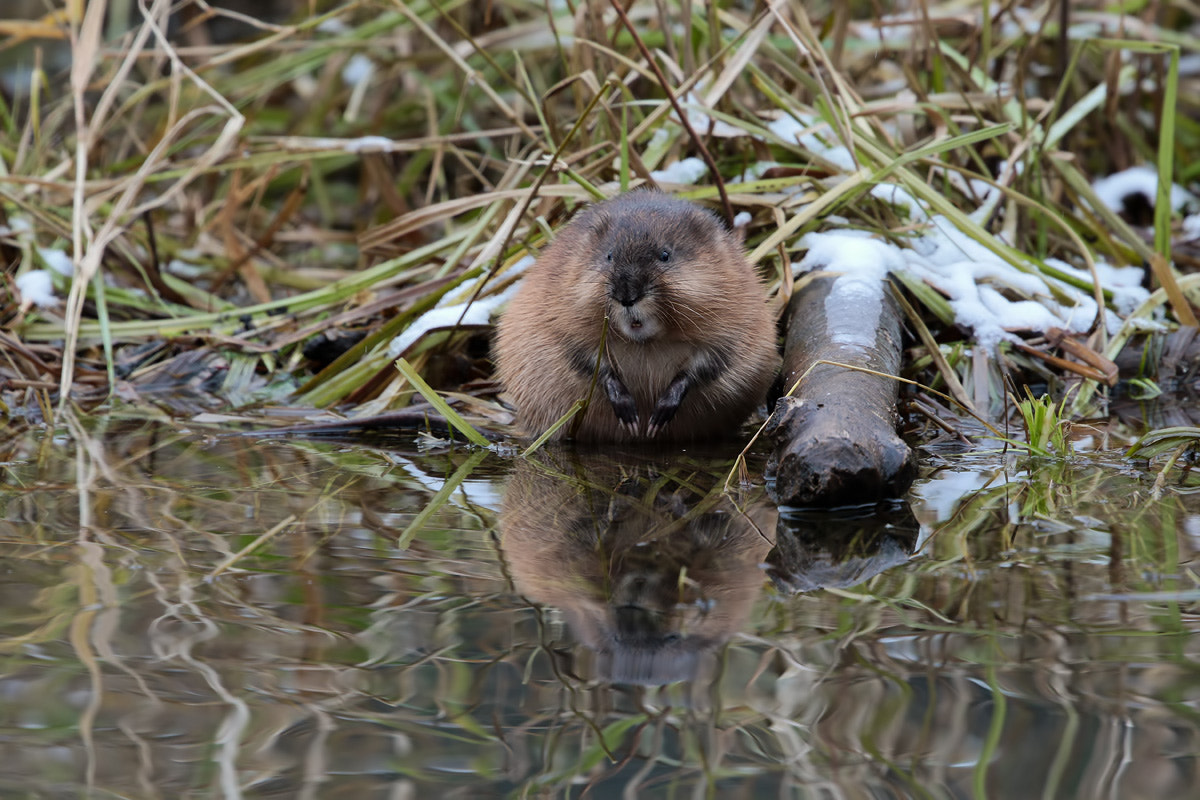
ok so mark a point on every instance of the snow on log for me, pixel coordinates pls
(835, 440)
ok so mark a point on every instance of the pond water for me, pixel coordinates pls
(190, 615)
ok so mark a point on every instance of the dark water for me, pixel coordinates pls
(192, 616)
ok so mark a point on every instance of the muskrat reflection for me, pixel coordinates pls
(653, 568)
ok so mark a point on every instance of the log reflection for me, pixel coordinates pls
(822, 549)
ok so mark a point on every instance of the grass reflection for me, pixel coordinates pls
(566, 625)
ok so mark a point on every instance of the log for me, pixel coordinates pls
(835, 440)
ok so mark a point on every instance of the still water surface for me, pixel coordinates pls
(186, 616)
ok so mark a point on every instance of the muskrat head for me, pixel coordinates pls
(644, 248)
(636, 272)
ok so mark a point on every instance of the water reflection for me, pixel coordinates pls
(204, 616)
(651, 563)
(817, 549)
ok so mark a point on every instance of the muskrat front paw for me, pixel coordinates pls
(664, 412)
(622, 402)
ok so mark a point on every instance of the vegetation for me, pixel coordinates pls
(264, 208)
(258, 208)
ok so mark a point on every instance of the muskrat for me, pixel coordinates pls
(690, 347)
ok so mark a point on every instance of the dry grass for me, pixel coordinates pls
(222, 208)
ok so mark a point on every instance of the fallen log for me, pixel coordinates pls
(835, 440)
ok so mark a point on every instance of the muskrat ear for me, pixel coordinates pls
(736, 232)
(596, 220)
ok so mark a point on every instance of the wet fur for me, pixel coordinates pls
(690, 349)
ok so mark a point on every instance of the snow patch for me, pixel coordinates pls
(475, 313)
(333, 26)
(1113, 189)
(57, 260)
(989, 296)
(686, 171)
(790, 129)
(864, 263)
(704, 124)
(37, 287)
(185, 270)
(851, 252)
(358, 69)
(901, 198)
(1191, 226)
(368, 144)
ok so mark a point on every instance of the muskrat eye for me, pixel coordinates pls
(665, 255)
(609, 256)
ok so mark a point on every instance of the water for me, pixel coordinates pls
(188, 615)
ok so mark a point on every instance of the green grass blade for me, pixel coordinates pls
(435, 400)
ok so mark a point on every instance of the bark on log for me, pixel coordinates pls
(835, 439)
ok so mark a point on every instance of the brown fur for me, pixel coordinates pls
(694, 325)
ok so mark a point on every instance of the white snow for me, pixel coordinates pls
(37, 287)
(756, 170)
(57, 260)
(364, 144)
(184, 269)
(1113, 189)
(702, 123)
(900, 197)
(989, 296)
(864, 263)
(358, 69)
(468, 313)
(1125, 283)
(790, 129)
(333, 26)
(850, 251)
(16, 226)
(1191, 226)
(686, 171)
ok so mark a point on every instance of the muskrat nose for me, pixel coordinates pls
(627, 292)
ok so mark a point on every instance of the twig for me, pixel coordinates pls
(662, 81)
